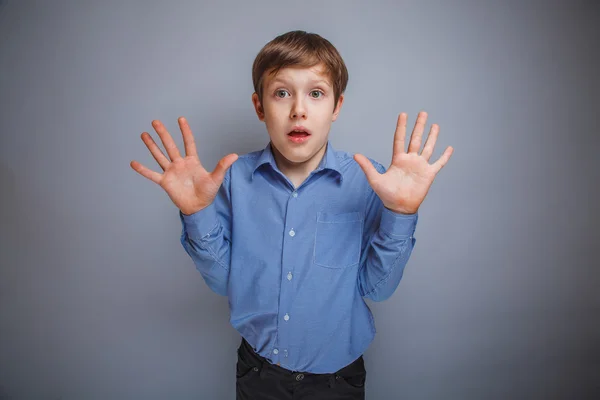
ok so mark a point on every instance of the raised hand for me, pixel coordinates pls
(403, 187)
(188, 184)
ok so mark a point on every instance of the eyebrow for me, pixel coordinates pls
(311, 82)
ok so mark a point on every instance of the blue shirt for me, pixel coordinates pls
(297, 263)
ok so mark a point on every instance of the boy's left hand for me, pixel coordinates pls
(403, 187)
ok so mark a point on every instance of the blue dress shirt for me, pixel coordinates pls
(297, 262)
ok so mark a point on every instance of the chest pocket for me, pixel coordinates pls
(338, 239)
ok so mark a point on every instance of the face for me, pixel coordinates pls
(298, 109)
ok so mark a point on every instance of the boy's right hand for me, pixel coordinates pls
(188, 184)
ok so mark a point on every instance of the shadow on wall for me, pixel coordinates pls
(5, 396)
(8, 218)
(7, 196)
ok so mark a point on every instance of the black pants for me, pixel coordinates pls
(258, 379)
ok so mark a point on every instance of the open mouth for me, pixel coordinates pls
(299, 132)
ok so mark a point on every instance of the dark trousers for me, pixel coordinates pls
(258, 379)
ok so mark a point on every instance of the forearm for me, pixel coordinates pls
(204, 240)
(387, 255)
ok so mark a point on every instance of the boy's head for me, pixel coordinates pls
(299, 79)
(301, 50)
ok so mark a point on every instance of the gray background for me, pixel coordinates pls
(98, 300)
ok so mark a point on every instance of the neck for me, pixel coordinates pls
(297, 172)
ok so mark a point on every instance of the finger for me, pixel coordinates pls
(188, 138)
(167, 140)
(415, 139)
(430, 143)
(371, 173)
(223, 165)
(439, 164)
(156, 152)
(145, 172)
(400, 134)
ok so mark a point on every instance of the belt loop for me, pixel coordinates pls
(262, 371)
(331, 380)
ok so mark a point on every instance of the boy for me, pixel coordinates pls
(296, 235)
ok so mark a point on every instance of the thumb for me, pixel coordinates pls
(222, 166)
(368, 168)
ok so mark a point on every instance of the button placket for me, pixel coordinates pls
(287, 291)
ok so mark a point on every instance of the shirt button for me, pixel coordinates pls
(289, 276)
(286, 317)
(295, 194)
(292, 233)
(275, 351)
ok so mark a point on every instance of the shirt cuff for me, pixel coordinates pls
(396, 224)
(200, 223)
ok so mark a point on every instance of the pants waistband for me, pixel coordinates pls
(248, 351)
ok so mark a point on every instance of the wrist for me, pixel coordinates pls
(187, 212)
(403, 211)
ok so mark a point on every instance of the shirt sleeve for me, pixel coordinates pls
(387, 245)
(206, 238)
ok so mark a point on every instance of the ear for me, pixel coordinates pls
(260, 112)
(338, 108)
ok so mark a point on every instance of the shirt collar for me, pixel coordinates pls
(329, 160)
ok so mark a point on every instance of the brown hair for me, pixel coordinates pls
(301, 49)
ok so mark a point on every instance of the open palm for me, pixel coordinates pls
(403, 187)
(188, 184)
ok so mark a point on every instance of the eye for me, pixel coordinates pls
(315, 94)
(281, 93)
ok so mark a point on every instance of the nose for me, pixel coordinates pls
(298, 110)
